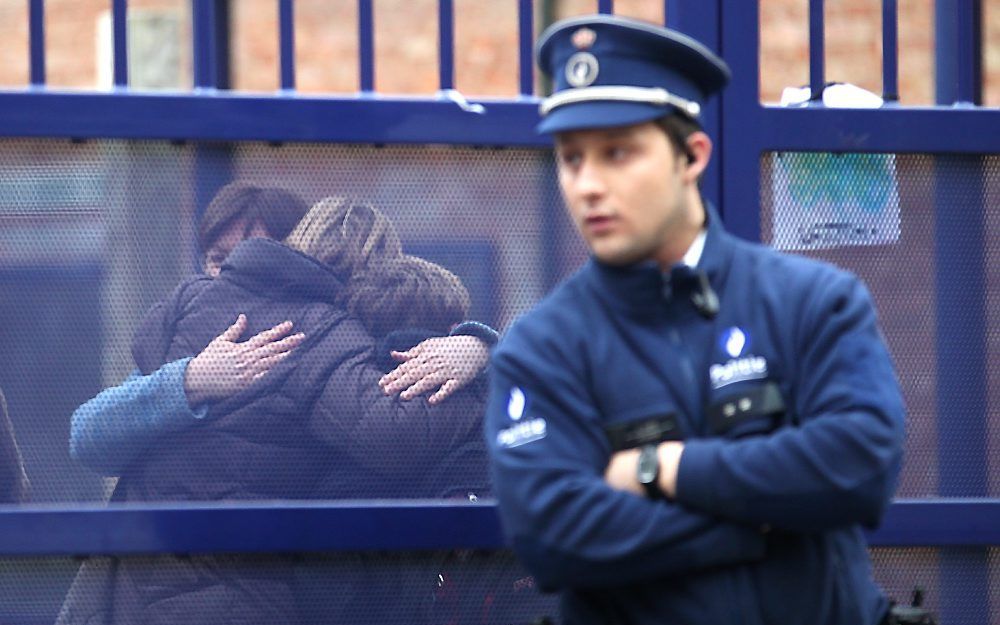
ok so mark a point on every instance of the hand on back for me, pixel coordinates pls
(226, 367)
(443, 365)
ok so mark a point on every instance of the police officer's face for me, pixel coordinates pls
(628, 193)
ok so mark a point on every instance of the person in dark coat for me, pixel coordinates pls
(319, 414)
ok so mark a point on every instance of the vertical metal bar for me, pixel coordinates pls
(740, 166)
(960, 314)
(221, 39)
(958, 49)
(446, 44)
(890, 50)
(970, 35)
(366, 46)
(525, 36)
(605, 6)
(817, 50)
(210, 27)
(962, 414)
(119, 28)
(703, 21)
(286, 43)
(36, 42)
(203, 18)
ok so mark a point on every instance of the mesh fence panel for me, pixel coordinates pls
(440, 587)
(97, 232)
(901, 571)
(93, 234)
(472, 587)
(877, 219)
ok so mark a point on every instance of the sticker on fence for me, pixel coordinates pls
(826, 200)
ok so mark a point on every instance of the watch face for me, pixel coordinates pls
(649, 466)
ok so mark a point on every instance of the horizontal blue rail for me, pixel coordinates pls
(363, 526)
(438, 120)
(232, 117)
(890, 129)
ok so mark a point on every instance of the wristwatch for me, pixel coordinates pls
(648, 472)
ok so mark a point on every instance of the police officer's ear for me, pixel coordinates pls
(698, 151)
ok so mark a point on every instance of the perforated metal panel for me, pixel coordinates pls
(432, 588)
(97, 232)
(901, 571)
(846, 196)
(466, 587)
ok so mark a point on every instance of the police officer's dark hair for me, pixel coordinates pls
(277, 210)
(678, 128)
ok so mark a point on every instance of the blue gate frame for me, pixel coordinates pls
(745, 128)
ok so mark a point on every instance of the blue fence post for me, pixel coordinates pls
(119, 27)
(213, 161)
(817, 50)
(703, 21)
(36, 42)
(366, 47)
(961, 315)
(210, 26)
(446, 44)
(525, 45)
(958, 51)
(890, 50)
(961, 369)
(286, 43)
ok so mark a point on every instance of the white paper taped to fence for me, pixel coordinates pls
(826, 200)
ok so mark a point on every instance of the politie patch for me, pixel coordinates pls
(521, 432)
(734, 341)
(742, 365)
(515, 406)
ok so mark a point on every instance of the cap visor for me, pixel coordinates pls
(584, 115)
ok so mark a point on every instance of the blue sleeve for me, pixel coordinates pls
(108, 432)
(839, 465)
(549, 452)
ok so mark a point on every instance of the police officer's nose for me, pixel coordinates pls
(589, 184)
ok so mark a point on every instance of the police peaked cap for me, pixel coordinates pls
(613, 71)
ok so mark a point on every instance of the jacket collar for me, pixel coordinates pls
(279, 272)
(643, 287)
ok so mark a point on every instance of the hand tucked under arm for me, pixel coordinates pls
(444, 363)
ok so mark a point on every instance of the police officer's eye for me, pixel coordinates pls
(618, 153)
(569, 159)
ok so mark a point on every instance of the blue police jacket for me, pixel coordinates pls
(792, 419)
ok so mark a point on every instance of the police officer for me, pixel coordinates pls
(692, 428)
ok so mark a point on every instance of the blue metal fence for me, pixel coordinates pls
(746, 130)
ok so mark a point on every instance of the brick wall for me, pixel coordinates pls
(406, 44)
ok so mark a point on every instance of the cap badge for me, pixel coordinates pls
(583, 38)
(581, 69)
